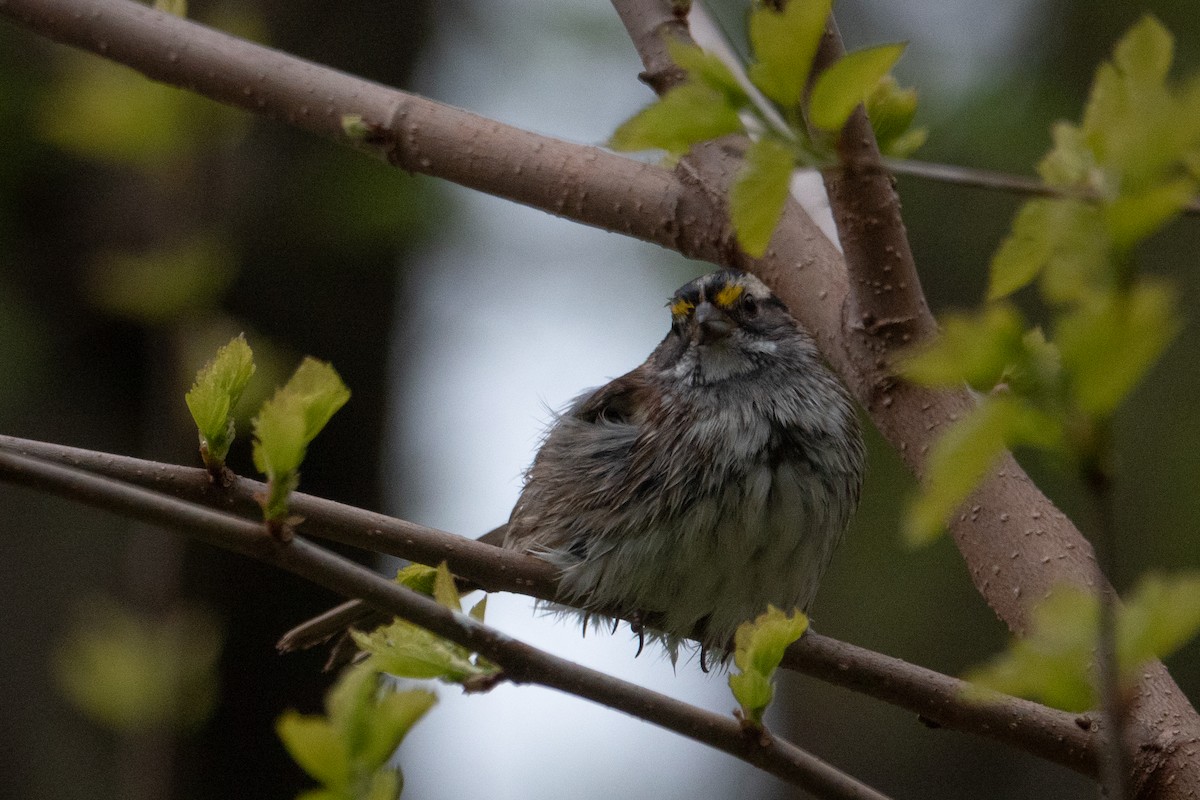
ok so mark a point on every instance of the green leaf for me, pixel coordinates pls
(848, 82)
(684, 116)
(1055, 663)
(408, 651)
(288, 422)
(444, 590)
(785, 43)
(386, 784)
(1134, 217)
(391, 720)
(1108, 346)
(758, 649)
(1161, 615)
(708, 70)
(973, 349)
(758, 195)
(212, 398)
(1070, 162)
(1064, 239)
(347, 750)
(316, 746)
(478, 610)
(418, 577)
(891, 111)
(962, 456)
(1145, 52)
(321, 392)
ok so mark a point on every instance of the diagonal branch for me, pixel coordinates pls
(1045, 732)
(520, 662)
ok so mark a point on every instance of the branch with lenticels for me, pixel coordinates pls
(937, 698)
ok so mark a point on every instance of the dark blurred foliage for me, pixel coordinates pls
(141, 228)
(303, 245)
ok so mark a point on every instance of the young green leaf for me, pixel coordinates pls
(316, 746)
(1161, 614)
(1108, 346)
(392, 717)
(1065, 241)
(976, 349)
(444, 590)
(758, 650)
(1134, 217)
(962, 456)
(785, 43)
(212, 398)
(891, 111)
(409, 651)
(288, 422)
(706, 69)
(419, 578)
(757, 198)
(848, 82)
(684, 116)
(347, 750)
(1055, 663)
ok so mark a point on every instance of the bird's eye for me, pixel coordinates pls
(749, 306)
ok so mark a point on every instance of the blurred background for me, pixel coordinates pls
(142, 227)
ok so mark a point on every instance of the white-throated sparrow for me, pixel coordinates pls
(712, 480)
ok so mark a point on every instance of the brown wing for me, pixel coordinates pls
(619, 400)
(579, 459)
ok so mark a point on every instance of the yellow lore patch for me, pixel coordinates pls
(728, 295)
(681, 307)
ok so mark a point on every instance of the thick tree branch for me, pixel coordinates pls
(1034, 728)
(520, 662)
(683, 211)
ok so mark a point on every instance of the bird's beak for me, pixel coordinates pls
(712, 324)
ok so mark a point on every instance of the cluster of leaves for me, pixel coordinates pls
(1055, 662)
(793, 124)
(1122, 174)
(758, 650)
(409, 651)
(131, 672)
(285, 424)
(1126, 171)
(347, 751)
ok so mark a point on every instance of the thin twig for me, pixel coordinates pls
(520, 662)
(1034, 728)
(992, 180)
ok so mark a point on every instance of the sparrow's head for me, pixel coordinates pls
(723, 325)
